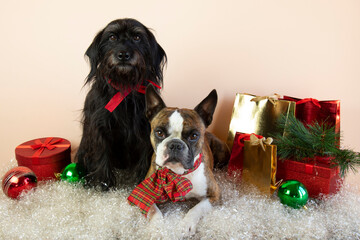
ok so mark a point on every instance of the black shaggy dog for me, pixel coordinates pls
(124, 59)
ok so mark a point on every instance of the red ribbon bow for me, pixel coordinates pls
(246, 136)
(313, 100)
(162, 185)
(122, 93)
(46, 144)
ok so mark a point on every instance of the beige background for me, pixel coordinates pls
(304, 48)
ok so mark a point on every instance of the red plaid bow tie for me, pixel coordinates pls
(162, 185)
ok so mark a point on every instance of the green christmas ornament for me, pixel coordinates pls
(293, 193)
(72, 173)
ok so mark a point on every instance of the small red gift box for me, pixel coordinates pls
(317, 176)
(309, 110)
(44, 156)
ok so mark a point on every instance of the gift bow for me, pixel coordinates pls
(254, 141)
(313, 100)
(40, 146)
(245, 136)
(272, 98)
(162, 185)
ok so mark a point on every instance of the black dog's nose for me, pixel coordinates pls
(176, 146)
(124, 56)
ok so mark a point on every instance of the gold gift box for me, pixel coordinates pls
(259, 166)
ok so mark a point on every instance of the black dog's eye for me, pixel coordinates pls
(193, 137)
(136, 38)
(112, 38)
(159, 134)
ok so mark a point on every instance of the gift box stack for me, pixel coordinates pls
(259, 116)
(317, 173)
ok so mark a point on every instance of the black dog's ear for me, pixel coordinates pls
(154, 103)
(207, 107)
(93, 54)
(160, 58)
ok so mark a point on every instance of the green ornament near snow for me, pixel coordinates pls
(293, 193)
(72, 173)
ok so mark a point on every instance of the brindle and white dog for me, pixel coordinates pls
(179, 138)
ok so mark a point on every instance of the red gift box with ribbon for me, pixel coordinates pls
(318, 176)
(44, 156)
(309, 110)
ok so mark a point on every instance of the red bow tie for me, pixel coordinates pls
(162, 185)
(123, 92)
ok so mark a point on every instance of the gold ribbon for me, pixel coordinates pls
(254, 141)
(272, 98)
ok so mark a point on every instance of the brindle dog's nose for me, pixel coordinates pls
(124, 56)
(176, 146)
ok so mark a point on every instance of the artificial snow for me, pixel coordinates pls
(60, 210)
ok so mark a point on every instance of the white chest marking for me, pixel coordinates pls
(199, 182)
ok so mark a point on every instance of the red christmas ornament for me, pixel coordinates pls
(17, 180)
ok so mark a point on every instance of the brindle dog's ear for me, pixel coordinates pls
(154, 103)
(207, 107)
(94, 56)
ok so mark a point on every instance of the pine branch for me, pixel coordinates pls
(296, 141)
(347, 160)
(300, 142)
(324, 138)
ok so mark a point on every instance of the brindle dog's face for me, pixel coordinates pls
(177, 135)
(126, 53)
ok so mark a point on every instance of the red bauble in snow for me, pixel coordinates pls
(18, 180)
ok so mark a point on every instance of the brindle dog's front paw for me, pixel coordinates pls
(189, 230)
(194, 215)
(189, 224)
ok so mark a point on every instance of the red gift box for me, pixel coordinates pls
(309, 110)
(317, 176)
(44, 156)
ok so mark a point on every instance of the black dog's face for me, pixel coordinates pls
(126, 53)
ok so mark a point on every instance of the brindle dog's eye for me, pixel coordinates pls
(160, 134)
(136, 38)
(193, 137)
(112, 38)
